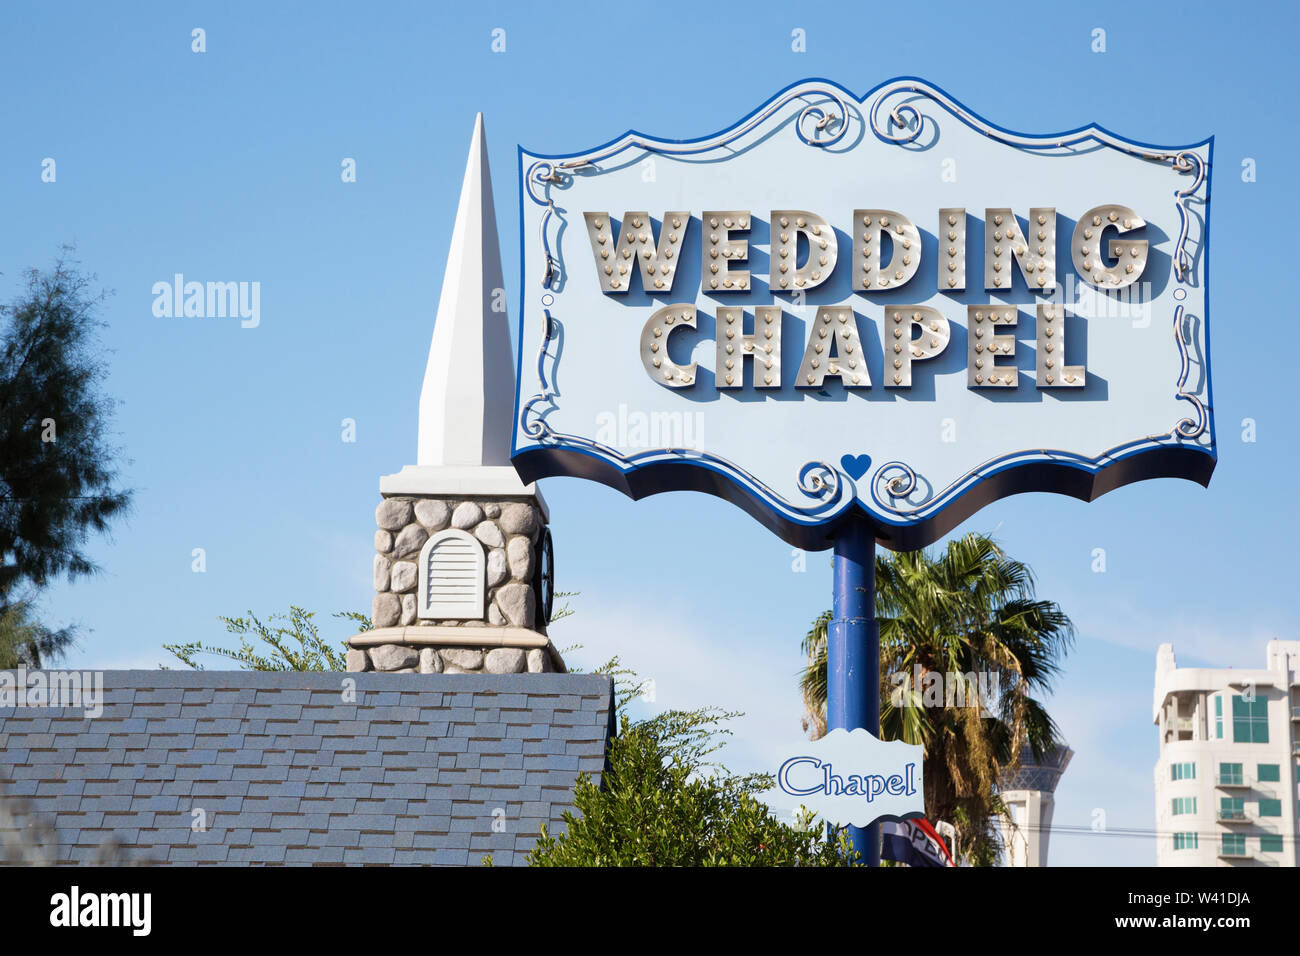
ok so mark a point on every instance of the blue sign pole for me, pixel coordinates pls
(853, 654)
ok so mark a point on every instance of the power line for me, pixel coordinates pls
(1146, 832)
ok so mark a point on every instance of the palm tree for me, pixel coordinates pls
(968, 609)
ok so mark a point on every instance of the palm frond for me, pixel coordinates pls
(965, 609)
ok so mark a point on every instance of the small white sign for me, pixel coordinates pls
(852, 778)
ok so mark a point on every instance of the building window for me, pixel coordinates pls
(1218, 716)
(1184, 841)
(1270, 808)
(1232, 808)
(1233, 844)
(1182, 771)
(1269, 773)
(1184, 805)
(1230, 773)
(1249, 720)
(1270, 844)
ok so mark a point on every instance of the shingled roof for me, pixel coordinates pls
(285, 769)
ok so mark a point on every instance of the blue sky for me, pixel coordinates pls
(226, 166)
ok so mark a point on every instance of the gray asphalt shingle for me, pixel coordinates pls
(290, 768)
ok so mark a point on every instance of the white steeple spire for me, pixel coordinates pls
(468, 397)
(467, 402)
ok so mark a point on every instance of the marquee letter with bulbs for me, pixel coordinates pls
(807, 285)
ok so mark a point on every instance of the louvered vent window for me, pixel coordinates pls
(452, 577)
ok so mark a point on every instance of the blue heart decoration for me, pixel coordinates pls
(855, 466)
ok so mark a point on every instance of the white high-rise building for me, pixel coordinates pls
(1226, 781)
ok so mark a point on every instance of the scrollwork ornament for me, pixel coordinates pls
(901, 484)
(820, 481)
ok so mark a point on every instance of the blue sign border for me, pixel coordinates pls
(813, 527)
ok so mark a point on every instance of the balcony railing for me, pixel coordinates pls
(1230, 816)
(1233, 852)
(1231, 780)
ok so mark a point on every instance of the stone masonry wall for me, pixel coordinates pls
(404, 659)
(509, 529)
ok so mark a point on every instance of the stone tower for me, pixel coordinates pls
(463, 553)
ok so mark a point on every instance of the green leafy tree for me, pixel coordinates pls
(294, 644)
(561, 608)
(24, 640)
(58, 482)
(664, 801)
(289, 642)
(968, 608)
(28, 838)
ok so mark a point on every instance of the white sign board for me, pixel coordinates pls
(885, 307)
(851, 778)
